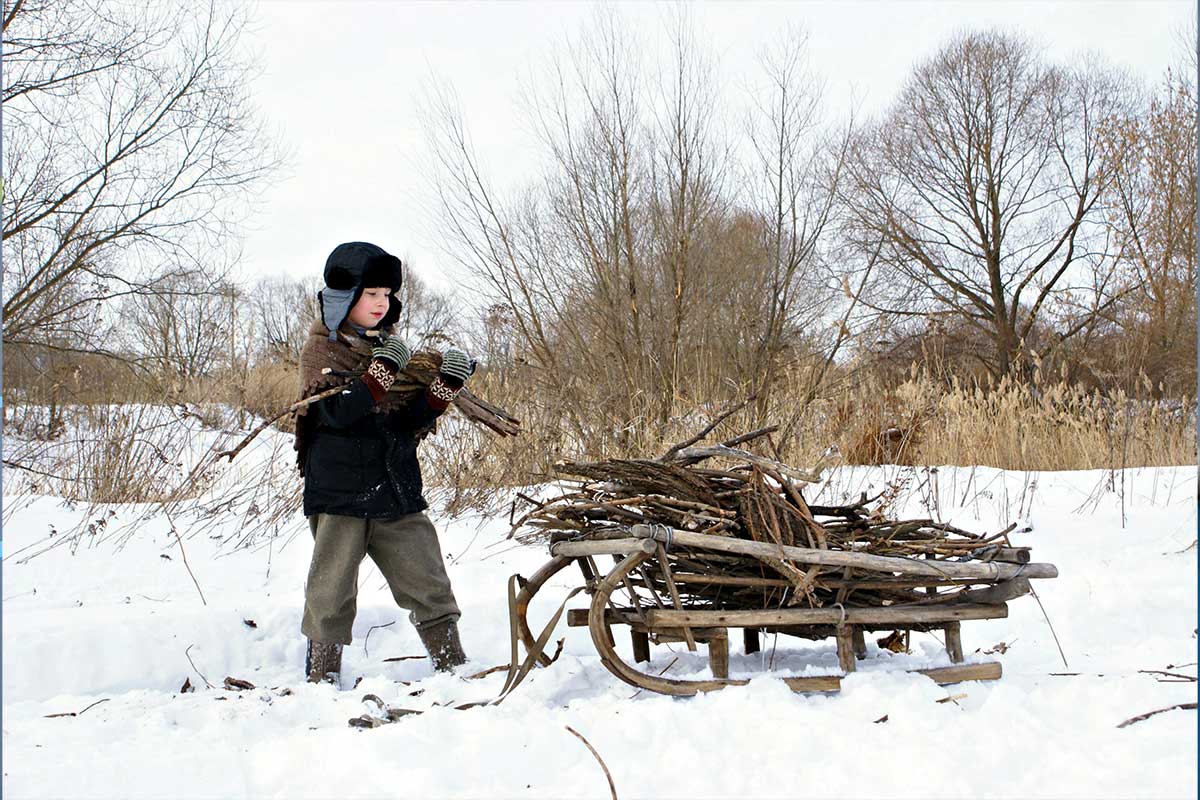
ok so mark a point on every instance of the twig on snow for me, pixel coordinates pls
(367, 638)
(1051, 626)
(193, 663)
(951, 698)
(485, 672)
(660, 672)
(1180, 676)
(77, 713)
(611, 786)
(183, 553)
(1150, 714)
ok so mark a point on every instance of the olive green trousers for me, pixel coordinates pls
(408, 554)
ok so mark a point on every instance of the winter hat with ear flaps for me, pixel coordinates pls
(350, 268)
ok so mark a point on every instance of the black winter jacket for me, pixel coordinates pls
(363, 464)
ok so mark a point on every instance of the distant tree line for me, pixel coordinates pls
(685, 244)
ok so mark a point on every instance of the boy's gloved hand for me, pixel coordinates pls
(456, 366)
(387, 359)
(455, 370)
(394, 350)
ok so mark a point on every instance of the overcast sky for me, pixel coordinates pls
(341, 81)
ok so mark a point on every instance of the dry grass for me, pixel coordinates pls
(105, 454)
(1039, 425)
(269, 388)
(131, 453)
(1056, 427)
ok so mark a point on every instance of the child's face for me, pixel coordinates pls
(370, 308)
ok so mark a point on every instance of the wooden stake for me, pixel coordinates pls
(641, 645)
(845, 648)
(718, 652)
(860, 642)
(954, 641)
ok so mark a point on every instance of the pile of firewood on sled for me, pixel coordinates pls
(712, 537)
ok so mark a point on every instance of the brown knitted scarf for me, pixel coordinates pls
(349, 353)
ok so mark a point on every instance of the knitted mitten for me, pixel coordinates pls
(455, 370)
(387, 360)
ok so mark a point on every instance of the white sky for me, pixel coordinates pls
(341, 83)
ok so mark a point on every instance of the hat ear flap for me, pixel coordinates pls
(383, 270)
(340, 278)
(393, 313)
(335, 310)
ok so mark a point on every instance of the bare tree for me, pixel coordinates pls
(130, 144)
(1152, 157)
(426, 316)
(688, 171)
(185, 325)
(796, 170)
(982, 185)
(606, 264)
(283, 309)
(565, 257)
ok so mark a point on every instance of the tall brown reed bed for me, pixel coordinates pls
(1030, 426)
(138, 453)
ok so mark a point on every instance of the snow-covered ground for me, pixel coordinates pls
(116, 631)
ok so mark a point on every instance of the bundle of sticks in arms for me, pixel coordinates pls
(420, 371)
(758, 499)
(415, 377)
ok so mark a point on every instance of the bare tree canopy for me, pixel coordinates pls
(639, 275)
(980, 187)
(131, 148)
(1152, 156)
(182, 327)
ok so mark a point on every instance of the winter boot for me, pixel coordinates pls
(323, 662)
(445, 649)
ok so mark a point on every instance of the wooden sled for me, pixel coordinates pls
(655, 562)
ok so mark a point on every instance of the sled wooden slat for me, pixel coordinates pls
(881, 615)
(987, 671)
(815, 683)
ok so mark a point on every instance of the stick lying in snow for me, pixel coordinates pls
(1149, 714)
(193, 663)
(80, 713)
(611, 786)
(367, 638)
(1173, 677)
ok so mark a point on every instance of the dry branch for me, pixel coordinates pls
(612, 787)
(1149, 714)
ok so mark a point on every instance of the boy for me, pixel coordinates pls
(357, 452)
